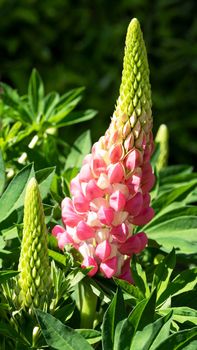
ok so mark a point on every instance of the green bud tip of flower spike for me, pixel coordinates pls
(34, 280)
(162, 138)
(135, 89)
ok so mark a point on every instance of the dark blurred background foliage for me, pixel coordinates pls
(81, 43)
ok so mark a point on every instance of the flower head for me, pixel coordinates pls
(110, 193)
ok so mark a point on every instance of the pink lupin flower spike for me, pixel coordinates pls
(110, 195)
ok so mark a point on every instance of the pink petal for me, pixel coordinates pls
(85, 173)
(80, 203)
(144, 217)
(105, 215)
(87, 159)
(109, 267)
(122, 188)
(146, 200)
(90, 262)
(103, 250)
(147, 153)
(134, 244)
(103, 181)
(115, 172)
(133, 159)
(84, 231)
(119, 217)
(64, 239)
(69, 216)
(102, 234)
(120, 232)
(92, 219)
(134, 182)
(93, 191)
(96, 203)
(129, 142)
(116, 153)
(126, 272)
(98, 165)
(148, 183)
(117, 201)
(57, 230)
(75, 185)
(134, 205)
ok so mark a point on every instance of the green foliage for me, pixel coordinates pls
(60, 336)
(70, 47)
(30, 124)
(173, 199)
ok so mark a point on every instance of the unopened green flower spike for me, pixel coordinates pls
(162, 139)
(34, 280)
(135, 90)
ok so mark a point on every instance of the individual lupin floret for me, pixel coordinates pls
(34, 279)
(162, 139)
(110, 195)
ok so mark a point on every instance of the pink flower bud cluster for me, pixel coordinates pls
(110, 195)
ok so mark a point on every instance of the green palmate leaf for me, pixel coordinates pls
(129, 288)
(2, 174)
(77, 117)
(173, 170)
(36, 94)
(152, 334)
(163, 272)
(13, 196)
(91, 335)
(139, 277)
(58, 336)
(9, 332)
(191, 197)
(60, 258)
(114, 314)
(80, 148)
(171, 195)
(140, 317)
(65, 313)
(50, 102)
(182, 314)
(180, 340)
(65, 105)
(155, 156)
(174, 210)
(12, 99)
(179, 232)
(44, 178)
(100, 292)
(184, 282)
(6, 275)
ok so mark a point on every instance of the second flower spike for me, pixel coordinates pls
(34, 279)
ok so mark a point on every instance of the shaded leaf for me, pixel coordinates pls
(6, 275)
(2, 174)
(13, 196)
(80, 148)
(59, 336)
(36, 94)
(114, 314)
(151, 334)
(179, 340)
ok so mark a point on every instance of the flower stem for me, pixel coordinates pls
(87, 304)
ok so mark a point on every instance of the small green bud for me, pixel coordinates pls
(162, 138)
(34, 280)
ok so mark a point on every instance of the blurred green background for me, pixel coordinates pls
(81, 42)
